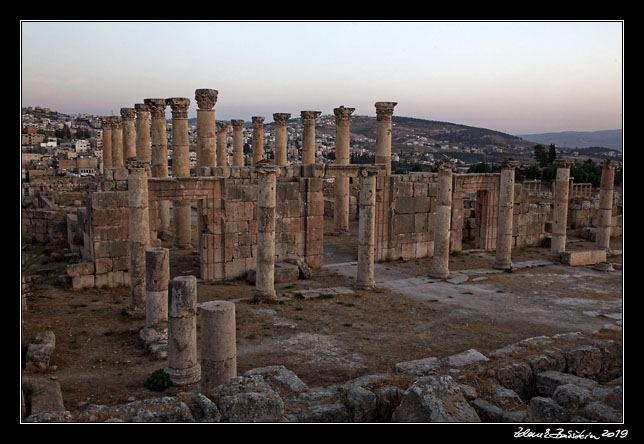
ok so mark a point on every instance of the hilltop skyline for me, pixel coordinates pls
(514, 77)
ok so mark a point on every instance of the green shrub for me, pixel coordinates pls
(158, 381)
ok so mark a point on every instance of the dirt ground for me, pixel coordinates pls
(99, 358)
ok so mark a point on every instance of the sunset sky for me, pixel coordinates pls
(515, 77)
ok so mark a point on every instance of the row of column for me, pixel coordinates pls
(504, 239)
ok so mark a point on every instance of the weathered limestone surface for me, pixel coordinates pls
(180, 167)
(342, 156)
(366, 233)
(159, 155)
(258, 139)
(142, 125)
(106, 124)
(604, 223)
(281, 137)
(157, 278)
(560, 213)
(264, 285)
(384, 112)
(218, 343)
(139, 231)
(308, 135)
(440, 260)
(221, 151)
(129, 134)
(206, 141)
(238, 142)
(506, 210)
(117, 142)
(183, 366)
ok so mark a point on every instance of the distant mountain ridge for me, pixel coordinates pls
(579, 139)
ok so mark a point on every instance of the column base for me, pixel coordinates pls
(262, 295)
(439, 274)
(135, 312)
(184, 376)
(502, 265)
(367, 285)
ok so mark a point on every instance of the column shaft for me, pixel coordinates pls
(560, 213)
(180, 168)
(308, 136)
(341, 186)
(258, 139)
(106, 124)
(504, 223)
(139, 228)
(221, 151)
(265, 273)
(129, 134)
(206, 140)
(281, 137)
(218, 344)
(183, 366)
(157, 277)
(142, 125)
(366, 233)
(384, 112)
(117, 142)
(605, 213)
(440, 260)
(238, 142)
(159, 151)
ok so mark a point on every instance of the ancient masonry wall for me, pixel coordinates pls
(585, 213)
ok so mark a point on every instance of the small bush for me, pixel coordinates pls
(158, 381)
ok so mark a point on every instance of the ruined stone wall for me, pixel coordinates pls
(228, 240)
(42, 226)
(354, 198)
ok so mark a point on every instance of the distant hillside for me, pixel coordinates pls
(579, 139)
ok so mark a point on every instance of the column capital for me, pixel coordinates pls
(206, 98)
(384, 110)
(221, 125)
(106, 122)
(157, 107)
(280, 118)
(117, 122)
(179, 106)
(258, 121)
(509, 164)
(607, 163)
(263, 167)
(127, 113)
(308, 117)
(141, 108)
(446, 166)
(563, 163)
(342, 114)
(237, 124)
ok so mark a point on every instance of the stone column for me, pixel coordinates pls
(159, 155)
(238, 142)
(605, 214)
(342, 157)
(106, 124)
(142, 125)
(222, 152)
(258, 139)
(117, 142)
(308, 135)
(504, 223)
(265, 272)
(139, 228)
(180, 168)
(183, 366)
(218, 344)
(129, 134)
(440, 260)
(384, 111)
(560, 213)
(281, 138)
(206, 141)
(367, 227)
(157, 277)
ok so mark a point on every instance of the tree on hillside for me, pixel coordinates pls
(540, 155)
(552, 154)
